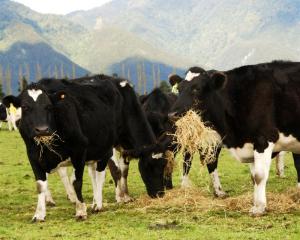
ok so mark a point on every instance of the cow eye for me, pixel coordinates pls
(25, 108)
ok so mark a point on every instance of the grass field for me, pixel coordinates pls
(143, 218)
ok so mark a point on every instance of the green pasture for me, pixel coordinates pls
(130, 221)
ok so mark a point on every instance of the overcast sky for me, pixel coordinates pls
(61, 6)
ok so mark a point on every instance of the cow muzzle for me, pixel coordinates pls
(42, 131)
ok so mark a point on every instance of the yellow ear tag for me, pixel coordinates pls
(62, 96)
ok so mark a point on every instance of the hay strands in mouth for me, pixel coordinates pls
(48, 142)
(194, 135)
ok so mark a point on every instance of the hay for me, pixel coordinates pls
(193, 134)
(194, 200)
(170, 157)
(48, 142)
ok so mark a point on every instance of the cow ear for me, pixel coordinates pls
(174, 79)
(16, 101)
(218, 80)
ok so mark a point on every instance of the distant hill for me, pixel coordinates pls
(35, 61)
(215, 34)
(150, 73)
(96, 50)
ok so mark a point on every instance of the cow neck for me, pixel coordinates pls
(137, 124)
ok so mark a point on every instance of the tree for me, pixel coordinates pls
(73, 71)
(23, 84)
(1, 92)
(153, 75)
(164, 86)
(38, 73)
(8, 80)
(158, 76)
(1, 78)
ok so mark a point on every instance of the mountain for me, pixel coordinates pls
(148, 73)
(215, 34)
(35, 61)
(96, 50)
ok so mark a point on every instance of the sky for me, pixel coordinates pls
(61, 6)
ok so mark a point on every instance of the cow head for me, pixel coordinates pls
(152, 172)
(197, 88)
(37, 112)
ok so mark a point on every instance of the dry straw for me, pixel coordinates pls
(195, 200)
(193, 134)
(48, 142)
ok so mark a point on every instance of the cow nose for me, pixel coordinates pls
(42, 130)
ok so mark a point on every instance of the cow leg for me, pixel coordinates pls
(187, 163)
(213, 172)
(49, 199)
(120, 169)
(63, 173)
(41, 185)
(297, 166)
(92, 173)
(260, 170)
(280, 164)
(78, 161)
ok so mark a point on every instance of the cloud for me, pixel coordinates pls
(61, 6)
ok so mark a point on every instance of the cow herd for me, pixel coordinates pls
(100, 121)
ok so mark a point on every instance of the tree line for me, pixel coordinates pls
(28, 74)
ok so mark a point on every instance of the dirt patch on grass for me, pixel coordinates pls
(192, 200)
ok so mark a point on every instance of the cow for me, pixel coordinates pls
(157, 104)
(255, 110)
(3, 114)
(11, 115)
(86, 122)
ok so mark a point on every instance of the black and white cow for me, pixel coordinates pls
(11, 115)
(90, 121)
(3, 114)
(157, 105)
(255, 109)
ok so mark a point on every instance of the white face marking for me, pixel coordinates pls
(34, 93)
(157, 156)
(190, 75)
(123, 83)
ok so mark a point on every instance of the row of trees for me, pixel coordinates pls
(30, 74)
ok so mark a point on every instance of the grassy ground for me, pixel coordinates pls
(144, 218)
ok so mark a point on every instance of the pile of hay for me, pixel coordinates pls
(48, 142)
(193, 135)
(193, 200)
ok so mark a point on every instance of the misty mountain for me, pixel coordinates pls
(35, 61)
(215, 34)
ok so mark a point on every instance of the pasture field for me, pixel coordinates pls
(181, 215)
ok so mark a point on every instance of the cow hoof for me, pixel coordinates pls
(37, 218)
(50, 203)
(221, 194)
(257, 211)
(81, 217)
(186, 183)
(124, 199)
(81, 213)
(96, 208)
